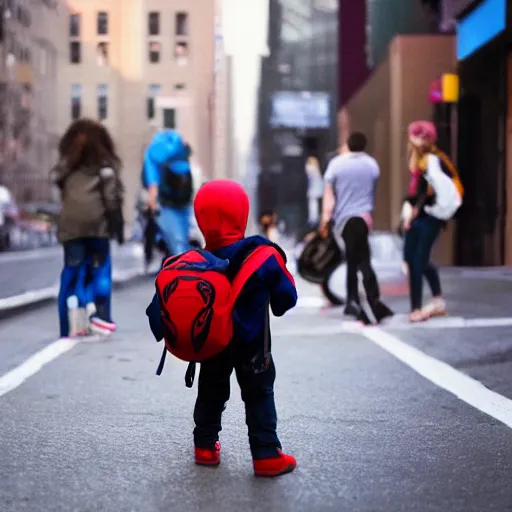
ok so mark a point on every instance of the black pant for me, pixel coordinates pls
(257, 394)
(150, 238)
(355, 235)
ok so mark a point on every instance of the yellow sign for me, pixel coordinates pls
(450, 87)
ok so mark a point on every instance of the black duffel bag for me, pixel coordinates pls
(319, 258)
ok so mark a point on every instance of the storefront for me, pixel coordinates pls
(483, 38)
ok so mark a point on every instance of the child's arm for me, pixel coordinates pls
(283, 294)
(155, 323)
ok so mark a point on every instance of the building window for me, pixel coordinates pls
(181, 53)
(169, 118)
(75, 52)
(154, 52)
(154, 23)
(102, 98)
(153, 92)
(74, 25)
(181, 24)
(102, 54)
(76, 101)
(102, 23)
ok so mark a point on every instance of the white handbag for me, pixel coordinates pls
(448, 199)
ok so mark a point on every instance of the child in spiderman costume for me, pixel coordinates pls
(222, 209)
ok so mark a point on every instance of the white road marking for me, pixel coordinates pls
(23, 299)
(311, 302)
(444, 376)
(33, 364)
(400, 323)
(308, 331)
(488, 322)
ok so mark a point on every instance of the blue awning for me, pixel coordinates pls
(480, 26)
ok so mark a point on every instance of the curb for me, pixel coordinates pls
(34, 298)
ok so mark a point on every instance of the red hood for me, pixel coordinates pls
(222, 209)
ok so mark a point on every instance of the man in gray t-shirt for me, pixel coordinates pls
(353, 177)
(350, 182)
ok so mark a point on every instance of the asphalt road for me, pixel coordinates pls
(372, 429)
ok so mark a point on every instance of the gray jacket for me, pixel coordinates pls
(91, 197)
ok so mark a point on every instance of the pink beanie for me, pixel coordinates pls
(422, 132)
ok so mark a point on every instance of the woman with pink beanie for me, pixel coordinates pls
(421, 229)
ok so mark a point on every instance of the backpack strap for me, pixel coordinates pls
(446, 161)
(252, 264)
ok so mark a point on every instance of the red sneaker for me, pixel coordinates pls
(275, 466)
(208, 456)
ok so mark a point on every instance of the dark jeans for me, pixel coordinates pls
(419, 241)
(355, 235)
(87, 273)
(257, 393)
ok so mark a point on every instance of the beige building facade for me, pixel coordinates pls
(32, 44)
(140, 66)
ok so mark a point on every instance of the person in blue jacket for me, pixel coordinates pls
(168, 176)
(222, 209)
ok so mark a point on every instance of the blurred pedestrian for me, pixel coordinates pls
(88, 176)
(423, 216)
(169, 179)
(151, 236)
(268, 224)
(315, 191)
(349, 196)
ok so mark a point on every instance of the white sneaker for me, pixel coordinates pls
(100, 326)
(436, 307)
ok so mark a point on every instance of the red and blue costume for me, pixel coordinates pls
(222, 210)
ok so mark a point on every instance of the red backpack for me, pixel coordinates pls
(197, 298)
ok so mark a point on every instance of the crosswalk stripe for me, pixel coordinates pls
(444, 376)
(400, 323)
(34, 364)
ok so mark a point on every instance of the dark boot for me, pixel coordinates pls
(352, 309)
(355, 310)
(381, 311)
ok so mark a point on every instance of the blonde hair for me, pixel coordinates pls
(418, 156)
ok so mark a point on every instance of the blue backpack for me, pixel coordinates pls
(170, 155)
